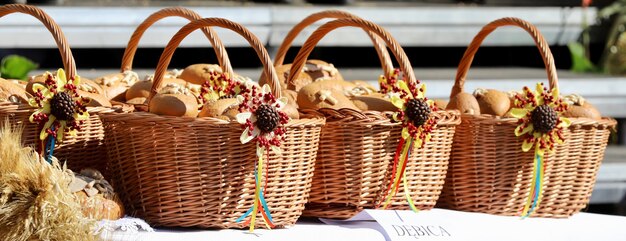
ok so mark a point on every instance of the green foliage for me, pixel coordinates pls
(16, 67)
(580, 62)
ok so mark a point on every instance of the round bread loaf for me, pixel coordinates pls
(12, 92)
(373, 103)
(174, 100)
(98, 207)
(142, 88)
(283, 71)
(199, 73)
(137, 101)
(95, 100)
(116, 84)
(466, 103)
(291, 109)
(441, 104)
(323, 94)
(174, 105)
(587, 110)
(215, 108)
(492, 102)
(365, 84)
(322, 70)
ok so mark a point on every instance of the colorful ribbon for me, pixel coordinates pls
(49, 147)
(399, 175)
(536, 187)
(260, 205)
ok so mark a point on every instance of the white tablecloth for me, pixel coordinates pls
(460, 226)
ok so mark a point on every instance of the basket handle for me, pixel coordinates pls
(311, 42)
(66, 53)
(468, 57)
(131, 48)
(261, 52)
(381, 49)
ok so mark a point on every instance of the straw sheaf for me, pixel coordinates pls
(36, 203)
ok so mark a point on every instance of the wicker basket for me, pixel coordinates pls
(357, 148)
(133, 43)
(490, 173)
(80, 151)
(182, 172)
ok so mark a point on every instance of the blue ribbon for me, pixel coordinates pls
(50, 147)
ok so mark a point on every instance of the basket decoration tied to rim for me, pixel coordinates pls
(414, 112)
(539, 113)
(60, 109)
(263, 123)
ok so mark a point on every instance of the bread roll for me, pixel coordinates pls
(373, 103)
(587, 110)
(95, 100)
(492, 102)
(116, 84)
(291, 108)
(174, 100)
(215, 108)
(142, 88)
(321, 70)
(283, 72)
(365, 84)
(137, 101)
(441, 104)
(322, 94)
(98, 207)
(12, 92)
(466, 103)
(199, 73)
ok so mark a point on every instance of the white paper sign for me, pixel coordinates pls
(441, 224)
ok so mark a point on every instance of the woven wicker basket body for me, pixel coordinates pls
(195, 172)
(183, 172)
(490, 173)
(86, 148)
(357, 148)
(493, 175)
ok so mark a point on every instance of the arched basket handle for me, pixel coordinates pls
(540, 41)
(66, 53)
(131, 47)
(166, 57)
(381, 48)
(311, 42)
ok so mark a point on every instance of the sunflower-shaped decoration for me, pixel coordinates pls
(540, 125)
(59, 108)
(263, 122)
(417, 124)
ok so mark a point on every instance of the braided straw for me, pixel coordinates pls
(540, 41)
(51, 25)
(311, 42)
(488, 171)
(166, 57)
(129, 53)
(381, 49)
